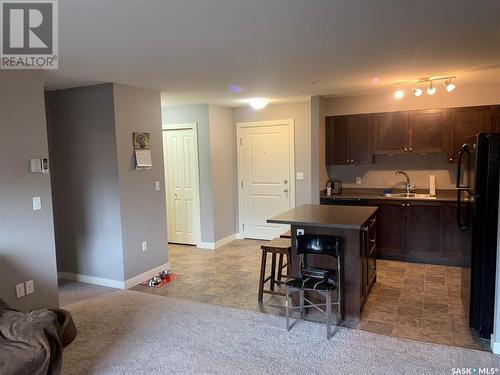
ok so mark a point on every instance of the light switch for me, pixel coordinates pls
(30, 287)
(300, 176)
(157, 185)
(144, 246)
(37, 203)
(20, 290)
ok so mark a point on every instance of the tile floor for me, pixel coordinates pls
(415, 301)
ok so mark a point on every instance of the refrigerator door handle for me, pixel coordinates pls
(462, 226)
(464, 149)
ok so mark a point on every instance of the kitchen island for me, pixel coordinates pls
(357, 227)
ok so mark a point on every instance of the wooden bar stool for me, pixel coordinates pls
(281, 247)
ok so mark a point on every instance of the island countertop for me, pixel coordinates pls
(348, 217)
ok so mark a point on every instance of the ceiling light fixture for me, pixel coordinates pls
(449, 86)
(431, 90)
(258, 103)
(416, 91)
(398, 94)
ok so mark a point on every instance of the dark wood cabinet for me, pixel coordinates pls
(391, 132)
(337, 152)
(420, 231)
(349, 140)
(465, 122)
(428, 131)
(391, 228)
(368, 249)
(423, 231)
(355, 139)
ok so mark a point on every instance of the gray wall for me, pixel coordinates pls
(27, 248)
(143, 210)
(301, 113)
(224, 170)
(86, 187)
(198, 114)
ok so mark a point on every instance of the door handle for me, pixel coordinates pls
(285, 191)
(285, 181)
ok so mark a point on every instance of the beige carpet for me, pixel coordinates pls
(129, 332)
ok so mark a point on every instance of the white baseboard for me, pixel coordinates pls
(91, 280)
(216, 245)
(145, 275)
(113, 283)
(495, 346)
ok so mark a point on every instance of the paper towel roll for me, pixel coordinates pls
(432, 185)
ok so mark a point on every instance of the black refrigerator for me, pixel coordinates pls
(478, 174)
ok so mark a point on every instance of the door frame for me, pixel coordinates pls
(194, 127)
(290, 123)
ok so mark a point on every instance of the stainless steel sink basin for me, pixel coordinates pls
(409, 196)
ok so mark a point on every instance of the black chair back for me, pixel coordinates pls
(319, 244)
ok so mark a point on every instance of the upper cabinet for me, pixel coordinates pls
(349, 140)
(354, 139)
(391, 133)
(465, 122)
(428, 131)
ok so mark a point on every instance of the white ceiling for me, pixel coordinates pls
(193, 50)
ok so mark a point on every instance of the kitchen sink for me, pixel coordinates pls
(409, 195)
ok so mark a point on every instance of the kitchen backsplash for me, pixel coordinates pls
(381, 174)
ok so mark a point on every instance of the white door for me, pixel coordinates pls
(266, 162)
(181, 175)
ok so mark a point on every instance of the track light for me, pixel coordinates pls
(449, 86)
(431, 90)
(416, 91)
(398, 94)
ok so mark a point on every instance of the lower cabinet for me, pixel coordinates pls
(368, 250)
(420, 232)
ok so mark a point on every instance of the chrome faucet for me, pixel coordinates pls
(409, 187)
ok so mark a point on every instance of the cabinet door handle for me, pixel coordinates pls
(410, 149)
(406, 149)
(352, 161)
(372, 266)
(372, 240)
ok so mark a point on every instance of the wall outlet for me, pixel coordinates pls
(300, 232)
(358, 180)
(37, 203)
(157, 185)
(30, 287)
(20, 290)
(144, 245)
(300, 176)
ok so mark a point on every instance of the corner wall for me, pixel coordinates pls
(224, 171)
(143, 210)
(27, 245)
(83, 154)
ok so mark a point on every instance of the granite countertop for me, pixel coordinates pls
(377, 194)
(349, 217)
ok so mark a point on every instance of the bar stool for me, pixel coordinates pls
(281, 247)
(322, 281)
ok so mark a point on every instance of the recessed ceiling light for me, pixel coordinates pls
(235, 89)
(398, 94)
(449, 86)
(431, 90)
(416, 91)
(258, 103)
